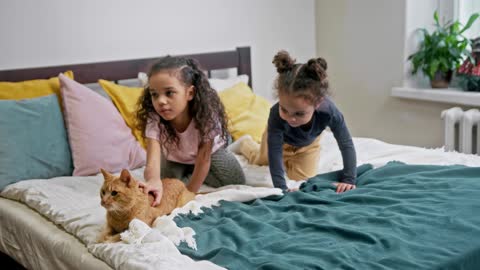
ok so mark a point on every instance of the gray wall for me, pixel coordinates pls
(53, 32)
(366, 44)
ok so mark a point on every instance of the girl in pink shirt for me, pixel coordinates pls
(185, 126)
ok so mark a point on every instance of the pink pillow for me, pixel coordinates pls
(98, 135)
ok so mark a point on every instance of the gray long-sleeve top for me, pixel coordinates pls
(279, 132)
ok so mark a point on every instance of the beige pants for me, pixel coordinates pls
(300, 162)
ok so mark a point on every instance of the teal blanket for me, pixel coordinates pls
(399, 217)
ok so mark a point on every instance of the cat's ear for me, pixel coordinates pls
(126, 177)
(106, 175)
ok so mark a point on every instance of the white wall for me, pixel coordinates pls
(52, 32)
(366, 44)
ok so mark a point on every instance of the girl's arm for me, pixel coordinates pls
(347, 149)
(202, 166)
(152, 171)
(275, 148)
(275, 158)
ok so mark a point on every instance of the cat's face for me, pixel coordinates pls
(117, 191)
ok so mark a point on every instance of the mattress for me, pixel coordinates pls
(63, 235)
(37, 243)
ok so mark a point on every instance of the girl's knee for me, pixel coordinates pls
(226, 170)
(239, 178)
(231, 177)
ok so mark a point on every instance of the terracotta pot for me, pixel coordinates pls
(441, 79)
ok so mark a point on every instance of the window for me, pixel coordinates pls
(462, 10)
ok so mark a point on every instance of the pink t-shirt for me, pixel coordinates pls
(188, 143)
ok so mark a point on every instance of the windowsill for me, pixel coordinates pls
(444, 95)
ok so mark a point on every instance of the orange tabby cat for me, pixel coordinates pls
(125, 200)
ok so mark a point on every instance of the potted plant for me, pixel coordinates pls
(468, 74)
(442, 51)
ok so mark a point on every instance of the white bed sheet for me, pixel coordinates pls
(371, 151)
(73, 204)
(53, 198)
(37, 243)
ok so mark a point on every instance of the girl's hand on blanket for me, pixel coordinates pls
(342, 187)
(154, 188)
(292, 189)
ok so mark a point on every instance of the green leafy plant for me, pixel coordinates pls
(468, 75)
(469, 82)
(444, 49)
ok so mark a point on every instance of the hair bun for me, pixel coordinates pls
(283, 62)
(322, 63)
(316, 68)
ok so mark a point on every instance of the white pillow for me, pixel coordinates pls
(217, 84)
(222, 84)
(143, 78)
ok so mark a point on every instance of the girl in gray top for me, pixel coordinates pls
(295, 123)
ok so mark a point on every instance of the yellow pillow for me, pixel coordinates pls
(247, 112)
(32, 88)
(125, 99)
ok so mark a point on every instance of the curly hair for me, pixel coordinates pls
(307, 80)
(205, 108)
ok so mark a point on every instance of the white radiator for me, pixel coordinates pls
(462, 130)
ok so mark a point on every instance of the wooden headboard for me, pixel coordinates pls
(127, 69)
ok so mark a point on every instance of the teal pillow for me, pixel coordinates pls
(33, 140)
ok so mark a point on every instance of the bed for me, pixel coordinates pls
(414, 208)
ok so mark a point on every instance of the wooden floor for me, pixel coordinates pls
(8, 263)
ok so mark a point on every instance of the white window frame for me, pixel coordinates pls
(417, 87)
(461, 10)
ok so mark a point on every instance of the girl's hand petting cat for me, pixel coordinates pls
(342, 187)
(153, 187)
